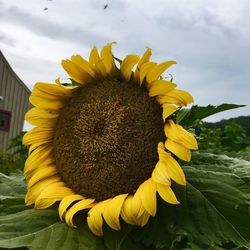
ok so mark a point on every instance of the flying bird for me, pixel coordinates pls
(45, 9)
(105, 6)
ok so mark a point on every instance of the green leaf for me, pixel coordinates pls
(22, 226)
(190, 117)
(113, 239)
(43, 230)
(214, 212)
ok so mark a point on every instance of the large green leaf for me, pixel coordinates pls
(214, 214)
(37, 229)
(43, 230)
(189, 117)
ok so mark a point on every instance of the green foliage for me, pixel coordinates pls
(232, 138)
(214, 214)
(244, 121)
(14, 160)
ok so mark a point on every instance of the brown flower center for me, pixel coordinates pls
(106, 138)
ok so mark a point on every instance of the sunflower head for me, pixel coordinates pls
(105, 144)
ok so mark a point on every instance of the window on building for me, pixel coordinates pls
(5, 120)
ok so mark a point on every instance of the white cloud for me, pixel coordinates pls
(209, 41)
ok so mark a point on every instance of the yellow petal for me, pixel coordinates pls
(66, 202)
(160, 87)
(80, 205)
(55, 192)
(75, 72)
(97, 63)
(40, 117)
(160, 173)
(145, 58)
(100, 68)
(145, 68)
(38, 157)
(176, 96)
(143, 219)
(147, 194)
(112, 211)
(37, 134)
(94, 56)
(46, 103)
(132, 210)
(175, 172)
(94, 218)
(168, 110)
(167, 194)
(127, 65)
(34, 165)
(35, 191)
(158, 70)
(59, 91)
(178, 134)
(163, 155)
(186, 136)
(107, 58)
(83, 64)
(42, 173)
(177, 149)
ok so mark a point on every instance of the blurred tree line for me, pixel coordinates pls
(226, 135)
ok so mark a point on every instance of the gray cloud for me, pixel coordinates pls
(210, 42)
(47, 27)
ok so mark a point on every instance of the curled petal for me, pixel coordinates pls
(145, 68)
(144, 59)
(127, 65)
(80, 205)
(112, 211)
(107, 57)
(94, 219)
(133, 211)
(66, 202)
(158, 70)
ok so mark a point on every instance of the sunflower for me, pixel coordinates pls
(105, 144)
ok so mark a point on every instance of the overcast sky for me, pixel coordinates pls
(210, 40)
